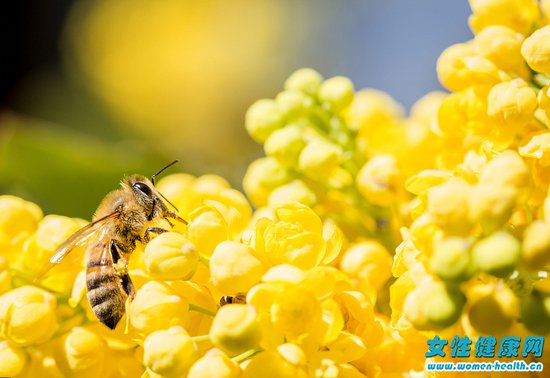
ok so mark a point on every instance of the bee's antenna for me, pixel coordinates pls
(166, 199)
(158, 173)
(162, 170)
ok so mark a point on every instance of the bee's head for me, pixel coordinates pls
(147, 196)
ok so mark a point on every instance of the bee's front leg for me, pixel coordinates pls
(156, 230)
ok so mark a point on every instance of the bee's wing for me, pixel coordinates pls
(80, 237)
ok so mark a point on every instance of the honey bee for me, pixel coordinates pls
(119, 222)
(227, 299)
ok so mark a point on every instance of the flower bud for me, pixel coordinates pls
(235, 329)
(294, 191)
(292, 102)
(512, 102)
(433, 305)
(538, 147)
(379, 181)
(519, 15)
(156, 307)
(318, 158)
(5, 276)
(12, 360)
(491, 205)
(497, 254)
(207, 228)
(459, 68)
(28, 315)
(297, 312)
(170, 256)
(169, 353)
(336, 92)
(536, 245)
(448, 206)
(502, 46)
(535, 312)
(262, 177)
(492, 309)
(84, 353)
(369, 261)
(508, 168)
(451, 259)
(285, 145)
(215, 364)
(262, 118)
(18, 220)
(233, 268)
(305, 80)
(536, 50)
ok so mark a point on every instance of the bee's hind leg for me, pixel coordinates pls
(120, 265)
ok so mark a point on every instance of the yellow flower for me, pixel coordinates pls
(336, 92)
(262, 118)
(538, 147)
(368, 261)
(262, 177)
(502, 46)
(83, 353)
(448, 206)
(13, 359)
(214, 364)
(270, 364)
(535, 249)
(27, 315)
(18, 220)
(380, 181)
(459, 68)
(464, 111)
(296, 313)
(169, 353)
(370, 108)
(170, 256)
(51, 232)
(294, 191)
(233, 268)
(492, 205)
(519, 15)
(207, 228)
(508, 168)
(295, 238)
(535, 50)
(236, 329)
(512, 102)
(156, 307)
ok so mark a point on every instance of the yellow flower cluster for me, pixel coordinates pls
(372, 230)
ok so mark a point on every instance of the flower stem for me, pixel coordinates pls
(202, 310)
(243, 356)
(200, 338)
(204, 260)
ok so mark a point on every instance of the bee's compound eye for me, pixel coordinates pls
(144, 188)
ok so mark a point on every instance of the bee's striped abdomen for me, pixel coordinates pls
(105, 293)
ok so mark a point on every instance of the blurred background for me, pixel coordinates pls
(93, 90)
